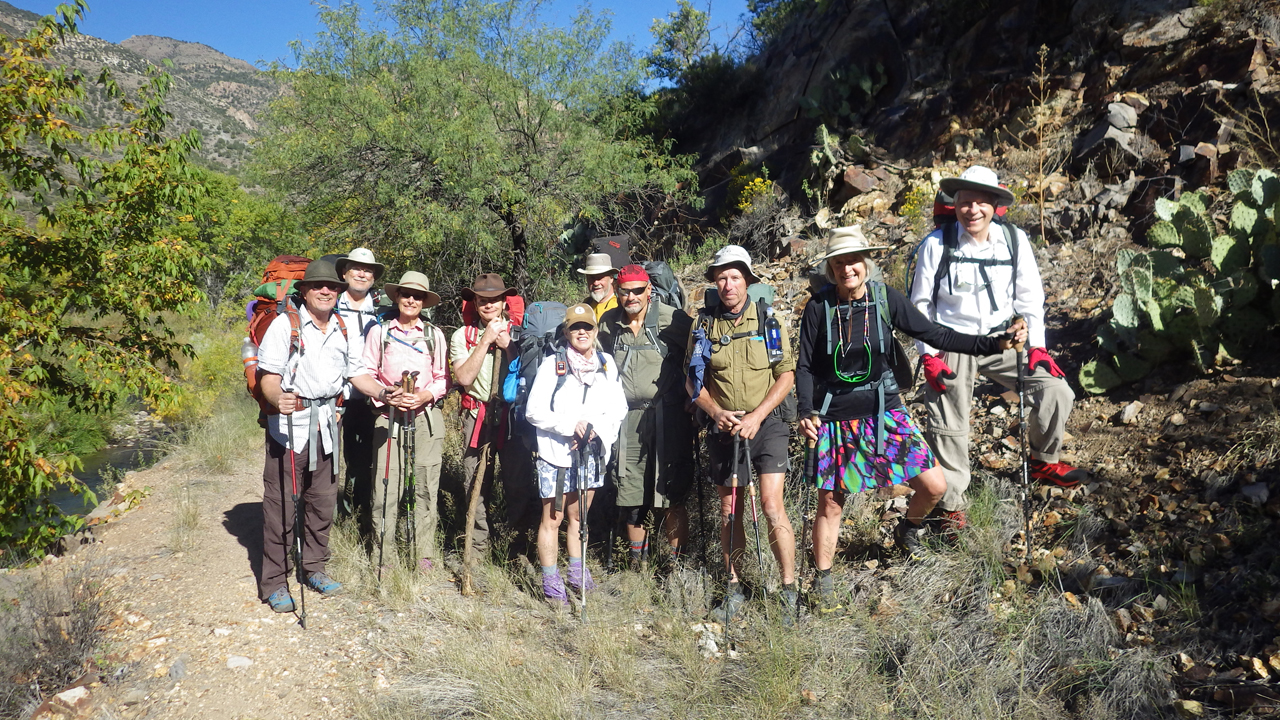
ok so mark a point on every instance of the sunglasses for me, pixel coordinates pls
(632, 291)
(416, 297)
(581, 328)
(331, 287)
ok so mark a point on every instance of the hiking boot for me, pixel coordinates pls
(789, 599)
(553, 590)
(826, 602)
(324, 584)
(947, 523)
(281, 601)
(730, 605)
(576, 579)
(909, 538)
(1060, 474)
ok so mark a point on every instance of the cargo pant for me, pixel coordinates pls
(1049, 399)
(388, 491)
(319, 491)
(519, 490)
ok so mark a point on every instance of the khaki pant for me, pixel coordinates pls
(519, 491)
(1049, 399)
(389, 495)
(319, 492)
(637, 450)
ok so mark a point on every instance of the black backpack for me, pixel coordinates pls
(666, 287)
(894, 379)
(950, 244)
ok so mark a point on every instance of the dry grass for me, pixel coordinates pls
(186, 519)
(933, 639)
(50, 622)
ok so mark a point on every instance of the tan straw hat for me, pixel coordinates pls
(845, 240)
(413, 280)
(598, 264)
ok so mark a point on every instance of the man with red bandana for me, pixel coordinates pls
(971, 277)
(655, 452)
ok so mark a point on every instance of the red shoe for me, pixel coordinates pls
(1060, 474)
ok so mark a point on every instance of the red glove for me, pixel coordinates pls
(936, 370)
(1039, 356)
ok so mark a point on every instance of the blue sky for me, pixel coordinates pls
(260, 30)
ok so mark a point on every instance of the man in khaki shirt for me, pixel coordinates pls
(742, 393)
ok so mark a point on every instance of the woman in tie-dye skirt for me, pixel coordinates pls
(848, 397)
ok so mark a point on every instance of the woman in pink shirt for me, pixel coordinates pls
(395, 346)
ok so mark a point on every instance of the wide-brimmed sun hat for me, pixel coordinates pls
(982, 179)
(845, 240)
(319, 271)
(363, 256)
(731, 255)
(598, 264)
(413, 280)
(487, 285)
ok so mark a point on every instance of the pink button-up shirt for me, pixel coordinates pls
(407, 349)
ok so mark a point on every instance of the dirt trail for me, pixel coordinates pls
(191, 638)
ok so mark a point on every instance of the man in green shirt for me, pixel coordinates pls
(743, 390)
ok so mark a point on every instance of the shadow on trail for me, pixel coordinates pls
(244, 522)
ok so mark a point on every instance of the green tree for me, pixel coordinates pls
(86, 276)
(468, 133)
(680, 40)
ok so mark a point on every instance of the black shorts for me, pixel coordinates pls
(768, 452)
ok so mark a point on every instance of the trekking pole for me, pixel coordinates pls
(410, 488)
(755, 518)
(386, 487)
(297, 526)
(733, 510)
(1022, 440)
(584, 452)
(702, 505)
(468, 547)
(810, 475)
(613, 526)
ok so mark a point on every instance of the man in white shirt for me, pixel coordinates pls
(303, 375)
(976, 276)
(358, 306)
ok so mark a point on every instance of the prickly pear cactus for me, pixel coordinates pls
(1209, 290)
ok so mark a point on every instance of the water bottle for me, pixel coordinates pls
(772, 336)
(249, 355)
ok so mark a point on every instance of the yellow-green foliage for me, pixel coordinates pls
(745, 186)
(917, 208)
(213, 373)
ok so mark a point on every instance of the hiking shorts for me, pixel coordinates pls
(769, 453)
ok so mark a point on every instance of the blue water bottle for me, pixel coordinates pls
(772, 336)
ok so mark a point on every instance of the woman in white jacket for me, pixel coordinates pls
(577, 399)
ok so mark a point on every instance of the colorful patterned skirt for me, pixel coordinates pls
(846, 453)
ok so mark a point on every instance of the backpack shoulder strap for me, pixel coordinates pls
(562, 371)
(1011, 239)
(950, 241)
(881, 310)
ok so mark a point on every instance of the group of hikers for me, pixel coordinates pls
(626, 383)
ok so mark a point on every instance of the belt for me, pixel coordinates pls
(313, 429)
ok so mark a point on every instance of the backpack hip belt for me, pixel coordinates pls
(313, 429)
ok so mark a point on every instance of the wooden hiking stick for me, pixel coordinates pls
(468, 549)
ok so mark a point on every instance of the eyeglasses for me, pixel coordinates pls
(633, 291)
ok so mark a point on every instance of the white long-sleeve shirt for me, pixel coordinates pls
(963, 303)
(604, 405)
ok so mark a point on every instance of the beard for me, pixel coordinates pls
(633, 308)
(599, 295)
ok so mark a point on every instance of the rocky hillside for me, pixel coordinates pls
(218, 95)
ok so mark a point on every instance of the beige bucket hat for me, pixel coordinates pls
(413, 280)
(845, 240)
(982, 179)
(731, 255)
(363, 256)
(598, 264)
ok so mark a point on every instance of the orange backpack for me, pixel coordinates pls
(271, 298)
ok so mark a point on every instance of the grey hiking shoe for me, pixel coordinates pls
(730, 605)
(789, 600)
(281, 601)
(909, 537)
(324, 584)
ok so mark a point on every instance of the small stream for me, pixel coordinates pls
(104, 468)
